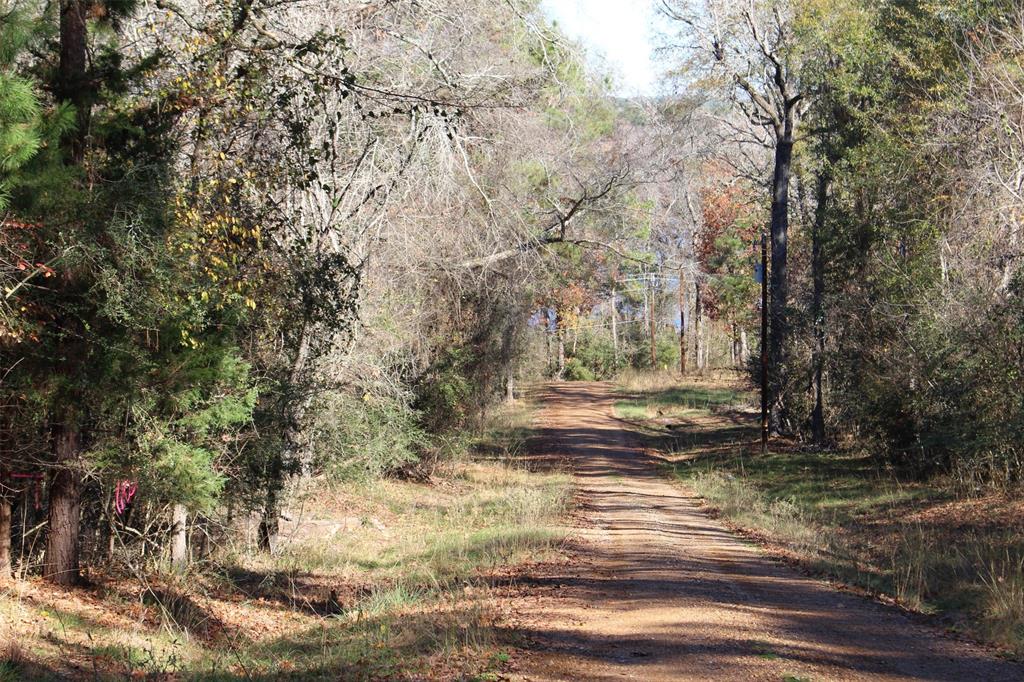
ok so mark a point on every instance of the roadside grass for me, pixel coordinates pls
(843, 515)
(374, 580)
(647, 396)
(908, 541)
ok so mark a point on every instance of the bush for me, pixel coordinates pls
(596, 353)
(445, 393)
(367, 437)
(577, 371)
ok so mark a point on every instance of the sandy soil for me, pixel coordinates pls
(656, 590)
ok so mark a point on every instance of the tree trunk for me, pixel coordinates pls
(269, 524)
(179, 538)
(510, 386)
(561, 354)
(111, 531)
(296, 448)
(651, 330)
(744, 348)
(734, 346)
(547, 349)
(698, 326)
(615, 328)
(72, 83)
(5, 537)
(778, 334)
(298, 400)
(682, 324)
(203, 551)
(269, 521)
(818, 308)
(60, 563)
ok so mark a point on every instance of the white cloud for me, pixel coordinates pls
(619, 32)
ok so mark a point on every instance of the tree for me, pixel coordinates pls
(72, 89)
(726, 250)
(21, 136)
(840, 49)
(747, 48)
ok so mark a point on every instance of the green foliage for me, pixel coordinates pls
(366, 437)
(733, 288)
(29, 130)
(179, 437)
(917, 352)
(11, 671)
(444, 393)
(575, 370)
(595, 356)
(119, 342)
(20, 110)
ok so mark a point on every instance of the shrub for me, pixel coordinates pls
(577, 371)
(367, 437)
(444, 394)
(597, 354)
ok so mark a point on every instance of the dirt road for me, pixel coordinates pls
(659, 591)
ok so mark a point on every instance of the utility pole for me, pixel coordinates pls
(764, 343)
(682, 323)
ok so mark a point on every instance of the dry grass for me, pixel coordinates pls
(740, 502)
(375, 580)
(480, 516)
(646, 381)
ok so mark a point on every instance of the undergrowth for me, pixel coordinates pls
(374, 579)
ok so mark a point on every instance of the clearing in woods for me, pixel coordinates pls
(658, 590)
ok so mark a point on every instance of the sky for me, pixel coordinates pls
(618, 33)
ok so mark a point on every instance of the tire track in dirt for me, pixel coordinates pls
(657, 590)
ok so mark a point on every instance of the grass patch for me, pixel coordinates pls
(631, 409)
(675, 401)
(482, 516)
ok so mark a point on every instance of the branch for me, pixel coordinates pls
(555, 231)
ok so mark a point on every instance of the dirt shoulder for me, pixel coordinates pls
(657, 590)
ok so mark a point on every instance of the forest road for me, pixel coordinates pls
(656, 590)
